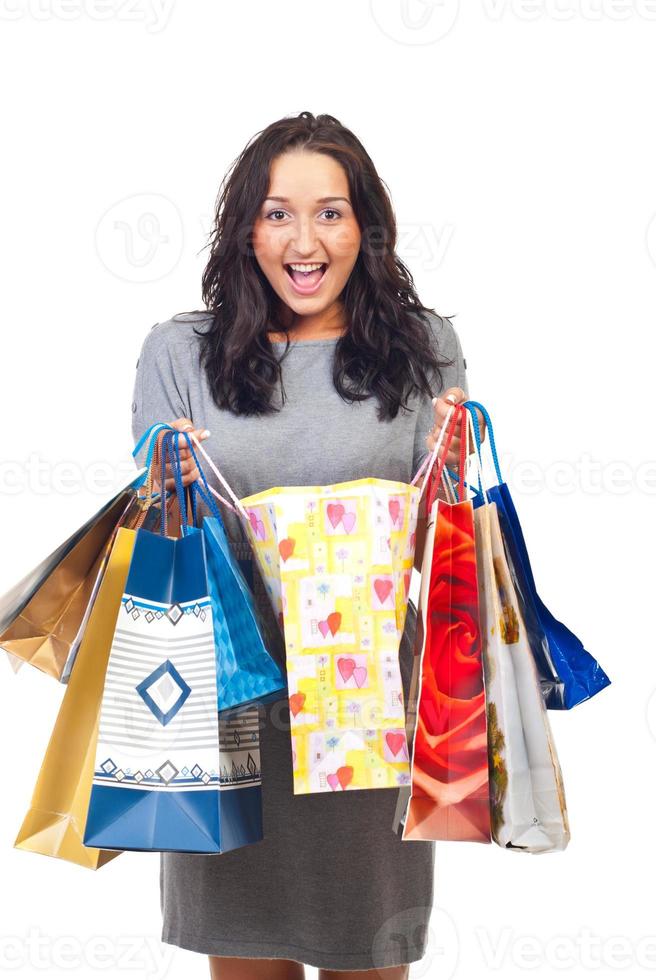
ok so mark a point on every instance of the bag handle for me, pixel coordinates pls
(151, 462)
(239, 507)
(430, 457)
(151, 433)
(458, 416)
(187, 496)
(476, 453)
(454, 487)
(200, 487)
(471, 406)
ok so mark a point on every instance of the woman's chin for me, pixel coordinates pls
(304, 305)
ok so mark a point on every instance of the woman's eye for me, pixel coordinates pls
(279, 214)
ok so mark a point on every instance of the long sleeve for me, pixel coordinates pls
(160, 386)
(448, 347)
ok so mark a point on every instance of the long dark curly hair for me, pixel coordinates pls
(387, 350)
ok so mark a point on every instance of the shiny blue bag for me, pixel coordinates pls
(568, 674)
(246, 671)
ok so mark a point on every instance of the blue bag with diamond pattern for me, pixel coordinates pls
(171, 774)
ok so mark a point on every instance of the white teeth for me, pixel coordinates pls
(305, 268)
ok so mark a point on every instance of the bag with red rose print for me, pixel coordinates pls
(449, 794)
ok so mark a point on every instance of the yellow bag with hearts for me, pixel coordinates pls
(336, 561)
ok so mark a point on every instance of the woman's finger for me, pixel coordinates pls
(186, 465)
(433, 436)
(443, 404)
(186, 425)
(181, 425)
(442, 407)
(190, 477)
(188, 472)
(455, 396)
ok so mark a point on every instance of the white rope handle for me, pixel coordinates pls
(476, 454)
(238, 505)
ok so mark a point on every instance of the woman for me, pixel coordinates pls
(314, 363)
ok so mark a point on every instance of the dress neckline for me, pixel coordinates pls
(319, 341)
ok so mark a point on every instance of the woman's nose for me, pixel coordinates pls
(304, 237)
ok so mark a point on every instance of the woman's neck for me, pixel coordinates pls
(316, 326)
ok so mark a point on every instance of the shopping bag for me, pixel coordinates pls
(54, 825)
(569, 674)
(336, 561)
(42, 619)
(43, 615)
(167, 776)
(449, 793)
(528, 809)
(246, 671)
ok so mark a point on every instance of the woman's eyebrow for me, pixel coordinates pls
(320, 200)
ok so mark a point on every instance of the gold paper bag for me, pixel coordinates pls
(55, 823)
(43, 618)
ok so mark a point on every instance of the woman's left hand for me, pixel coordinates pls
(441, 406)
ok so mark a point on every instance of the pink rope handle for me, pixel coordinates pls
(238, 509)
(430, 459)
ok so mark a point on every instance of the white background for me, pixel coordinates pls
(518, 142)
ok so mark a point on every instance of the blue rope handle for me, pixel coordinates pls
(470, 486)
(199, 487)
(151, 433)
(471, 406)
(168, 450)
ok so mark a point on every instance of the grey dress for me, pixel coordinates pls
(330, 885)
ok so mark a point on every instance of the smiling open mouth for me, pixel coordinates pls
(306, 276)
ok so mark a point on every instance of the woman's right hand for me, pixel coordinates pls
(188, 466)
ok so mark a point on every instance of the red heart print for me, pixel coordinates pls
(286, 548)
(334, 621)
(345, 775)
(395, 741)
(394, 509)
(296, 702)
(346, 666)
(335, 513)
(383, 587)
